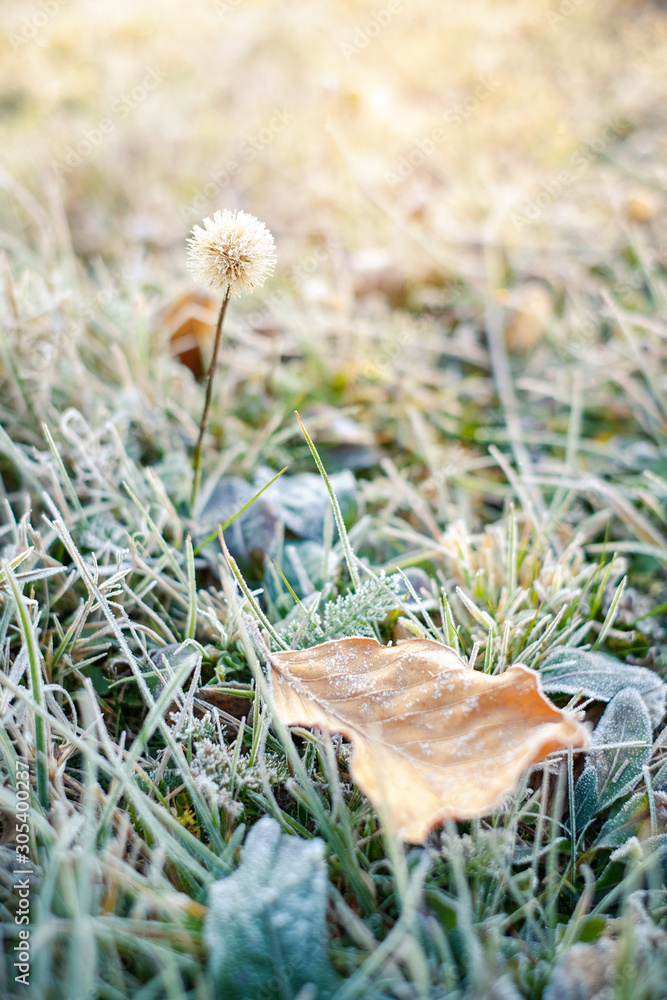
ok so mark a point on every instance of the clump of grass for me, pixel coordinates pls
(133, 831)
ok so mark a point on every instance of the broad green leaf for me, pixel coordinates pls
(623, 736)
(585, 798)
(266, 930)
(625, 822)
(600, 676)
(298, 502)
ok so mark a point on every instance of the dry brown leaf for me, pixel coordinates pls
(432, 739)
(230, 707)
(642, 206)
(530, 311)
(189, 322)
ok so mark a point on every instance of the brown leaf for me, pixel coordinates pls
(238, 706)
(189, 322)
(231, 707)
(432, 740)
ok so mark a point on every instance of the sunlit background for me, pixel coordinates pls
(417, 162)
(311, 116)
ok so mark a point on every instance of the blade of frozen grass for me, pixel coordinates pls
(359, 982)
(573, 812)
(340, 524)
(223, 527)
(571, 932)
(157, 535)
(512, 553)
(610, 617)
(191, 624)
(436, 632)
(481, 617)
(531, 652)
(257, 611)
(67, 483)
(517, 484)
(36, 680)
(553, 852)
(289, 587)
(147, 729)
(651, 800)
(183, 845)
(16, 561)
(502, 373)
(452, 636)
(197, 801)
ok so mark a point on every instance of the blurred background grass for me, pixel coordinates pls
(421, 165)
(461, 196)
(359, 99)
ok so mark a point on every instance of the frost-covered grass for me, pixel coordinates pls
(489, 400)
(117, 610)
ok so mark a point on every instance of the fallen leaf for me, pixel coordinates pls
(188, 323)
(432, 740)
(642, 206)
(222, 698)
(530, 311)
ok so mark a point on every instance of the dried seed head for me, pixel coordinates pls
(233, 248)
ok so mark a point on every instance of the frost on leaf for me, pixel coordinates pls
(265, 929)
(623, 736)
(432, 740)
(600, 676)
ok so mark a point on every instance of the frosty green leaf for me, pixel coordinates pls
(600, 676)
(624, 823)
(266, 929)
(585, 799)
(623, 736)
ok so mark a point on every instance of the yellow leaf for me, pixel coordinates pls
(432, 740)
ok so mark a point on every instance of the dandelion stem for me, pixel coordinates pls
(196, 462)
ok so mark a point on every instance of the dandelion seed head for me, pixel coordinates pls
(233, 248)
